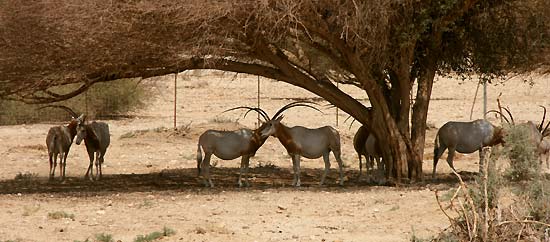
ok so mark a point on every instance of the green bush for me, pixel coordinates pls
(102, 100)
(103, 237)
(166, 232)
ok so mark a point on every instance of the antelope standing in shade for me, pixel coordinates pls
(229, 145)
(465, 137)
(365, 144)
(59, 141)
(96, 138)
(301, 141)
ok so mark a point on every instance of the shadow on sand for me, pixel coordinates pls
(225, 179)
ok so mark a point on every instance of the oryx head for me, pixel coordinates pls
(273, 125)
(81, 129)
(76, 120)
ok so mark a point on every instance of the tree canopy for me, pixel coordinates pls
(381, 46)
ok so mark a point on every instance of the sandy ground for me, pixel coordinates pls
(150, 177)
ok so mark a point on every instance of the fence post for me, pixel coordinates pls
(485, 99)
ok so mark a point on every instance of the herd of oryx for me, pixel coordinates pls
(462, 137)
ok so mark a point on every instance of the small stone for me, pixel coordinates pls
(19, 194)
(200, 230)
(173, 198)
(110, 203)
(281, 207)
(150, 196)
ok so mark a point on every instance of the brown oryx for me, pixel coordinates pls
(359, 141)
(229, 145)
(96, 139)
(301, 141)
(59, 141)
(365, 144)
(465, 137)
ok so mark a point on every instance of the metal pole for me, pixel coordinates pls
(175, 98)
(258, 98)
(485, 99)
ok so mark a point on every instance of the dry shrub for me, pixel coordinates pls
(478, 211)
(524, 163)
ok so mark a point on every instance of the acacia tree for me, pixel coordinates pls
(381, 46)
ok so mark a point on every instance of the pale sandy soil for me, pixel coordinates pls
(150, 181)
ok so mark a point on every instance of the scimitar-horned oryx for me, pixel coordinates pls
(536, 135)
(96, 138)
(301, 141)
(365, 144)
(59, 140)
(229, 145)
(466, 138)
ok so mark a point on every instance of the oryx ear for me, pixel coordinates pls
(278, 119)
(81, 118)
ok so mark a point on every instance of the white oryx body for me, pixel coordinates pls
(228, 145)
(310, 143)
(465, 137)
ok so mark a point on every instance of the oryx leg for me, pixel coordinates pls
(340, 165)
(90, 170)
(438, 152)
(245, 162)
(360, 165)
(97, 166)
(101, 159)
(379, 172)
(64, 164)
(205, 170)
(296, 167)
(326, 158)
(61, 165)
(450, 157)
(52, 161)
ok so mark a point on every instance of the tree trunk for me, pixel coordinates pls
(420, 109)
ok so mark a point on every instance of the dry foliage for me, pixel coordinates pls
(477, 212)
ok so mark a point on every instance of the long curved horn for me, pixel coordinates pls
(510, 114)
(258, 110)
(545, 128)
(543, 118)
(501, 115)
(295, 104)
(351, 124)
(69, 110)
